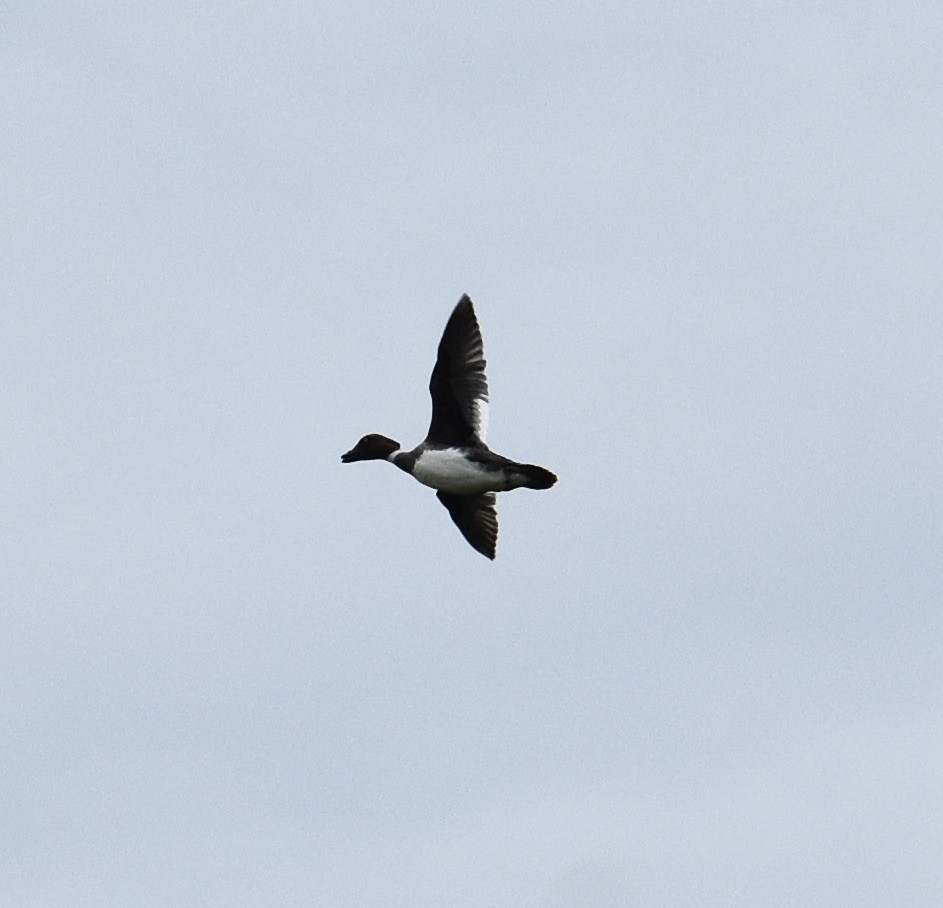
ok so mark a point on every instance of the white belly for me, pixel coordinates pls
(448, 471)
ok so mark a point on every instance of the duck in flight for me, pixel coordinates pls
(454, 459)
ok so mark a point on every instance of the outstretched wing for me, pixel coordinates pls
(458, 385)
(476, 517)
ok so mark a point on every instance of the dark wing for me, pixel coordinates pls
(476, 517)
(458, 385)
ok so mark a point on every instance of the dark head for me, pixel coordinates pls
(371, 447)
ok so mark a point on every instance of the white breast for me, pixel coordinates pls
(448, 471)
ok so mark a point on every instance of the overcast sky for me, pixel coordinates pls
(705, 243)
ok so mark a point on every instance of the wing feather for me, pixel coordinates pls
(459, 386)
(476, 517)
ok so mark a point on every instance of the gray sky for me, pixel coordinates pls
(706, 249)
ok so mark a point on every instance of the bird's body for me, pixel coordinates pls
(454, 458)
(469, 471)
(452, 470)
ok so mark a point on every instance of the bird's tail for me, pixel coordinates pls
(537, 477)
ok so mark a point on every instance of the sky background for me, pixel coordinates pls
(705, 243)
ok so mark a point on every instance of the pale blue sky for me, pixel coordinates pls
(706, 249)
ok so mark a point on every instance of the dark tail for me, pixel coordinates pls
(537, 477)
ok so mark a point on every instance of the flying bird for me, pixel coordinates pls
(454, 459)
